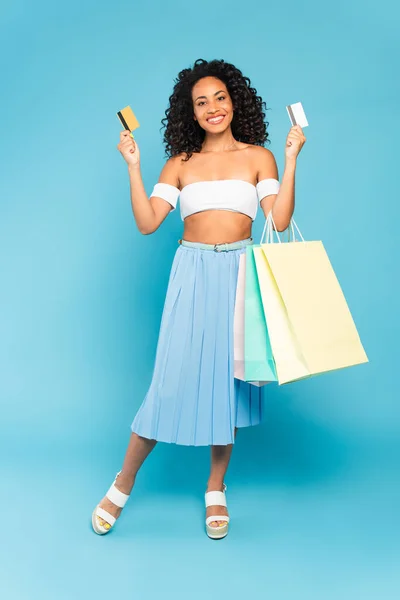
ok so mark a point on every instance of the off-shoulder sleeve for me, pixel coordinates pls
(167, 192)
(266, 187)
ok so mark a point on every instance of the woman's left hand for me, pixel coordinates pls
(294, 141)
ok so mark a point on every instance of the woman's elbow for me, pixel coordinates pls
(146, 230)
(281, 226)
(282, 222)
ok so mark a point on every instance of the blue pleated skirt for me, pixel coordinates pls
(193, 398)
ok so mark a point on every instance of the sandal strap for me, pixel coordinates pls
(103, 514)
(116, 496)
(217, 518)
(215, 498)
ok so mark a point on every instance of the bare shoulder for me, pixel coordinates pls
(170, 171)
(263, 154)
(266, 163)
(181, 165)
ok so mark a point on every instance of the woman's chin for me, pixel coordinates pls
(216, 128)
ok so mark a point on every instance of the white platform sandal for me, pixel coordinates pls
(216, 499)
(119, 499)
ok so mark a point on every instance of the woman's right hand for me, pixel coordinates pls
(129, 149)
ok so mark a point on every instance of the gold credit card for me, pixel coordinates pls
(128, 119)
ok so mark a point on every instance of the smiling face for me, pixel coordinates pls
(212, 105)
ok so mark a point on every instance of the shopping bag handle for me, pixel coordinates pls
(270, 226)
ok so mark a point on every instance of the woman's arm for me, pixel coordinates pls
(149, 213)
(282, 204)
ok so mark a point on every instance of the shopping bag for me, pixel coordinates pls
(289, 361)
(313, 302)
(258, 358)
(239, 326)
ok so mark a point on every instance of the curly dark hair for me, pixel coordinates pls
(184, 134)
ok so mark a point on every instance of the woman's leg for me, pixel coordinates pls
(138, 450)
(220, 456)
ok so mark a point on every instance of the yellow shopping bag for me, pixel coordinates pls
(314, 305)
(289, 362)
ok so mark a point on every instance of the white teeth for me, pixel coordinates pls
(215, 119)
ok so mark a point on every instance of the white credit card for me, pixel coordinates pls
(297, 115)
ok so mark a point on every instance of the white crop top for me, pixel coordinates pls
(223, 194)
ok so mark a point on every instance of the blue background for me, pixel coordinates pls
(314, 492)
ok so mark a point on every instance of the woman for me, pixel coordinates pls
(215, 132)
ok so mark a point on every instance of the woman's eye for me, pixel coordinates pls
(220, 98)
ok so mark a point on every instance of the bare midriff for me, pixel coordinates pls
(217, 227)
